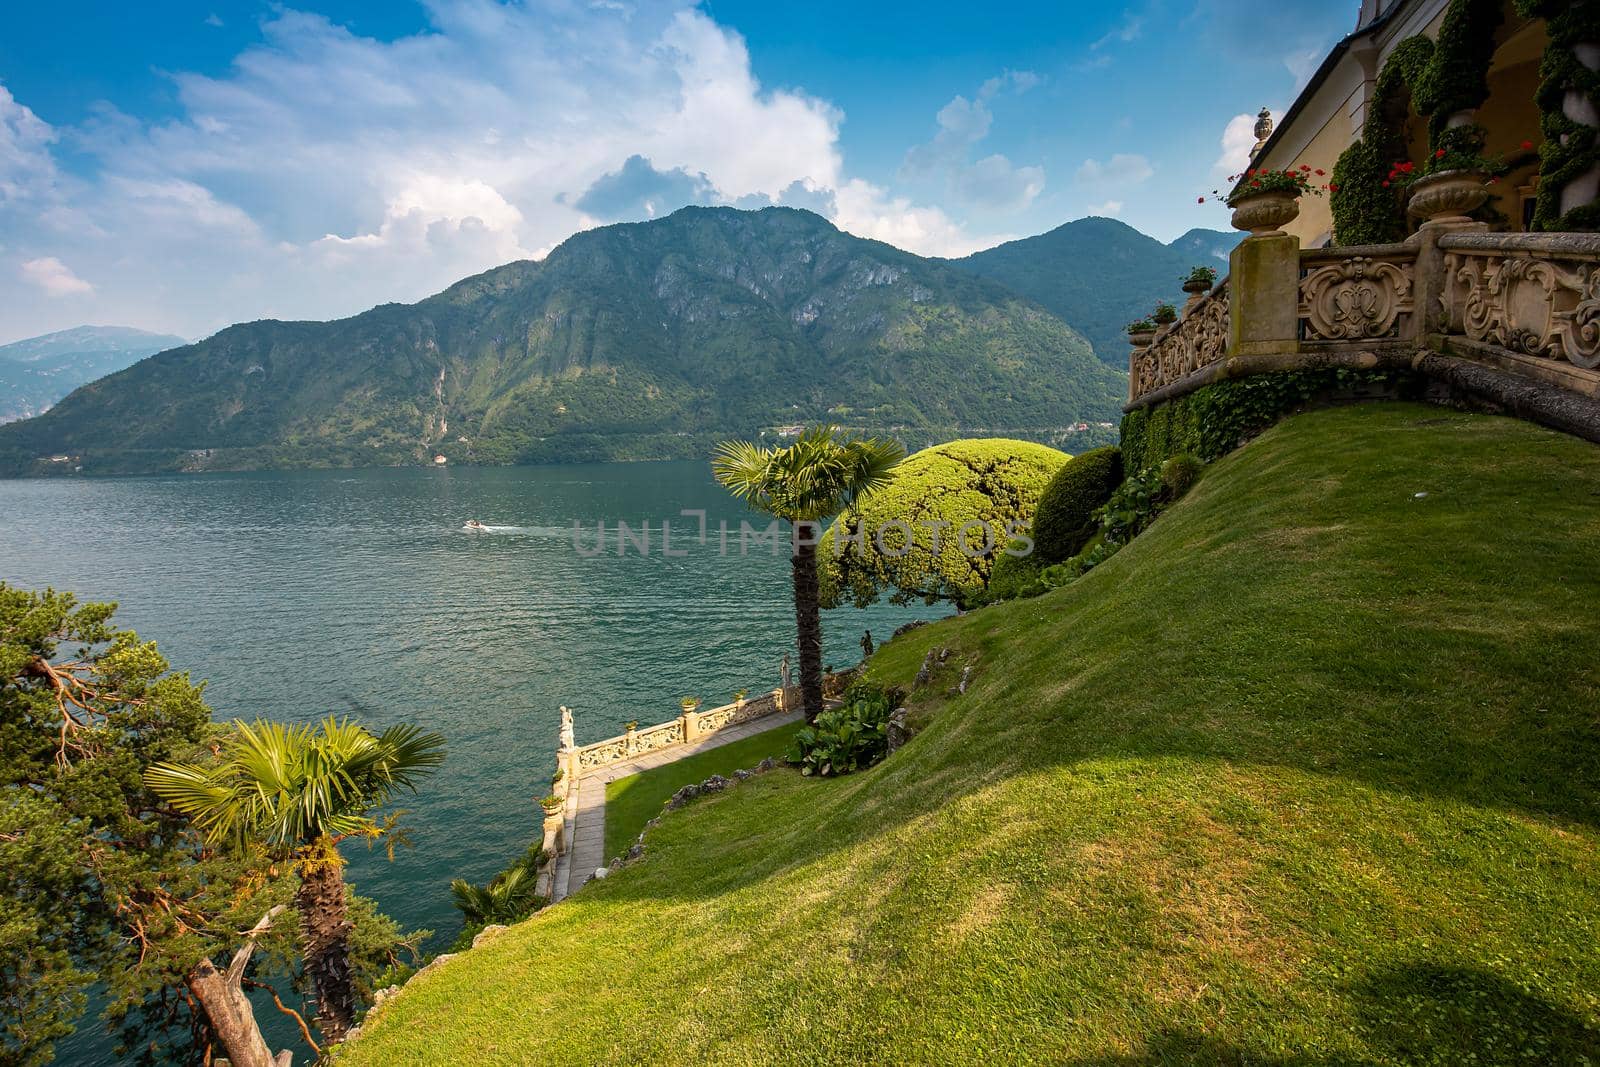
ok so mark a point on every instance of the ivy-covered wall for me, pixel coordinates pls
(1364, 210)
(1213, 421)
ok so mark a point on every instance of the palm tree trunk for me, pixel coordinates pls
(808, 617)
(325, 936)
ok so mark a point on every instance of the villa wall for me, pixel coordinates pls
(1327, 121)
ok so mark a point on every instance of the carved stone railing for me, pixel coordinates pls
(688, 726)
(1360, 293)
(1537, 294)
(1197, 340)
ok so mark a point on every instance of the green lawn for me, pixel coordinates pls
(635, 800)
(1308, 774)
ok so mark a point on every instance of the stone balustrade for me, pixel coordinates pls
(1506, 321)
(1533, 293)
(1198, 339)
(689, 726)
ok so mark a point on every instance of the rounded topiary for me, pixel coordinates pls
(1064, 521)
(1013, 576)
(1179, 473)
(986, 487)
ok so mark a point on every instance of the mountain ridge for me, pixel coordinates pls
(1099, 274)
(637, 340)
(36, 372)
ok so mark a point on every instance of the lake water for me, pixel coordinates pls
(297, 594)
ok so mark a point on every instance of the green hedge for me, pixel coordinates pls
(1213, 421)
(1064, 521)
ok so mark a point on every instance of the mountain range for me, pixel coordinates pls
(39, 371)
(633, 341)
(1100, 274)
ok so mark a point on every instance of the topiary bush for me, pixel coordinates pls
(907, 537)
(1064, 521)
(1014, 575)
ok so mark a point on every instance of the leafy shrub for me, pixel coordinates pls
(1179, 473)
(1134, 505)
(1064, 520)
(508, 897)
(848, 738)
(1014, 576)
(933, 495)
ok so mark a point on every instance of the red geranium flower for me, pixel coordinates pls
(1407, 168)
(1200, 200)
(1386, 185)
(1526, 145)
(1439, 154)
(1320, 172)
(1332, 188)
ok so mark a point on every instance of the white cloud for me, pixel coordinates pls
(54, 277)
(1121, 169)
(992, 182)
(1238, 138)
(867, 210)
(326, 172)
(1124, 32)
(1110, 209)
(27, 170)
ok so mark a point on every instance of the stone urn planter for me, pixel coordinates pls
(1265, 214)
(1196, 287)
(1141, 338)
(1448, 196)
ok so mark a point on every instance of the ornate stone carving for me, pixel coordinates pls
(1541, 307)
(1197, 340)
(1355, 299)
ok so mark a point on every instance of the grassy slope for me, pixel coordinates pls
(1307, 774)
(635, 800)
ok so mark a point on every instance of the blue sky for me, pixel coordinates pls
(185, 165)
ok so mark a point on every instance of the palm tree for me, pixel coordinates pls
(299, 791)
(505, 900)
(818, 476)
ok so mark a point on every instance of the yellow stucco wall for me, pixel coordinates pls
(1510, 115)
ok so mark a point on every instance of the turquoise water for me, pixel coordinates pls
(297, 594)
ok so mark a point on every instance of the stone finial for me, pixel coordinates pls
(1263, 132)
(568, 738)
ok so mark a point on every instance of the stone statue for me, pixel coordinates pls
(866, 645)
(783, 670)
(568, 740)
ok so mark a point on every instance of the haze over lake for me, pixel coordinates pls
(299, 594)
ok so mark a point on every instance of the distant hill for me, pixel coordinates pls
(1099, 274)
(37, 372)
(643, 340)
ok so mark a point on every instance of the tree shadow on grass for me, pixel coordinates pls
(1431, 1013)
(1422, 1013)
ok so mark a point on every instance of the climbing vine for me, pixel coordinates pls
(1457, 76)
(1571, 148)
(1365, 211)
